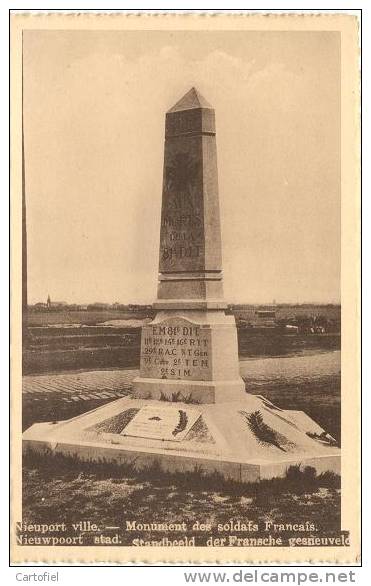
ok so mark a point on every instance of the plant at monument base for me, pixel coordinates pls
(298, 478)
(175, 397)
(178, 397)
(190, 400)
(263, 433)
(144, 397)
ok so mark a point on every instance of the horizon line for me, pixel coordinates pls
(274, 302)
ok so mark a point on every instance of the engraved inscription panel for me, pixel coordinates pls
(182, 242)
(176, 349)
(162, 422)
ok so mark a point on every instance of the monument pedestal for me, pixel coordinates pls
(191, 356)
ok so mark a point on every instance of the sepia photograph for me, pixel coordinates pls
(186, 297)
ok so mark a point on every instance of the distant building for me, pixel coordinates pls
(266, 316)
(40, 305)
(55, 304)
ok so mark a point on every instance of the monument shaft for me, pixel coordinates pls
(190, 348)
(190, 264)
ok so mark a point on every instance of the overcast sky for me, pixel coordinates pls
(94, 130)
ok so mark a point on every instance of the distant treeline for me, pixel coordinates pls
(58, 306)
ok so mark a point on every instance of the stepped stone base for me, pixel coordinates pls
(246, 441)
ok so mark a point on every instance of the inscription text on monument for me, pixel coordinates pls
(176, 350)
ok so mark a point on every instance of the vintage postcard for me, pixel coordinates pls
(185, 193)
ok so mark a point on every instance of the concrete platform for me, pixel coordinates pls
(246, 441)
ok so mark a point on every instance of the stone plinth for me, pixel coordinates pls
(192, 355)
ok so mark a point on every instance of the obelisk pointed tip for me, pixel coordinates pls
(190, 101)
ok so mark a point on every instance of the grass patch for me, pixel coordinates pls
(298, 479)
(57, 488)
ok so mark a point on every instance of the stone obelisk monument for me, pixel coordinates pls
(191, 346)
(189, 407)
